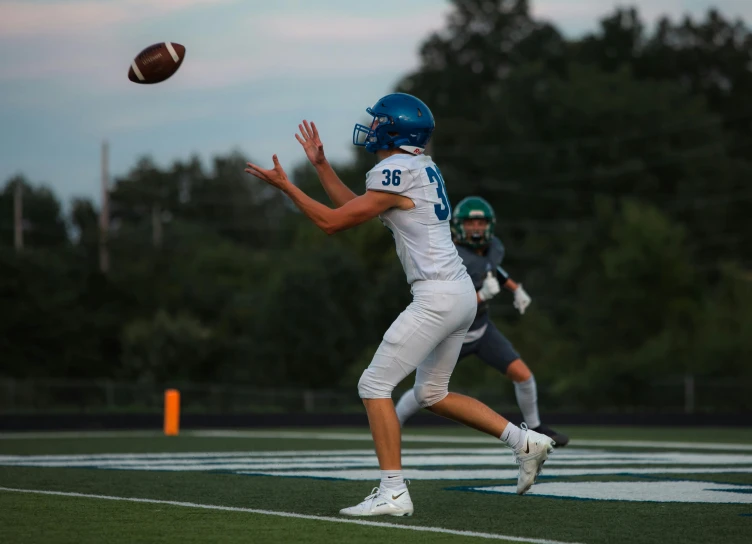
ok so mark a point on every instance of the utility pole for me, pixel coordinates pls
(104, 213)
(18, 215)
(156, 225)
(689, 393)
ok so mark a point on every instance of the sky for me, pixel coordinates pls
(253, 70)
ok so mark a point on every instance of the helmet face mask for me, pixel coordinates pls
(366, 135)
(473, 223)
(477, 231)
(400, 121)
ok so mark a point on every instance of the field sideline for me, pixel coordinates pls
(637, 485)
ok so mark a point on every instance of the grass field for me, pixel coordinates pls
(635, 485)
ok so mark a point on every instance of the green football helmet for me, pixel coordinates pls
(473, 207)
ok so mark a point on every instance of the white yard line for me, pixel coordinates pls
(448, 439)
(501, 473)
(667, 445)
(344, 459)
(366, 437)
(487, 536)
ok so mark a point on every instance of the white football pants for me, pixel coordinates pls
(426, 337)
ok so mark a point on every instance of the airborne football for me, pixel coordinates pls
(156, 63)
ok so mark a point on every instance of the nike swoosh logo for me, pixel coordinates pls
(390, 477)
(398, 496)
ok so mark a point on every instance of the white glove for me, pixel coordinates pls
(521, 299)
(490, 287)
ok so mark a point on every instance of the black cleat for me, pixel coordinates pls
(560, 439)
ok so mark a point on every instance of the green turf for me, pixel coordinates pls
(581, 521)
(438, 503)
(58, 520)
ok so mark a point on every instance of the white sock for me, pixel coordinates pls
(407, 407)
(512, 436)
(527, 400)
(392, 480)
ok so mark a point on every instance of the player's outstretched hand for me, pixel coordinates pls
(276, 176)
(521, 299)
(309, 139)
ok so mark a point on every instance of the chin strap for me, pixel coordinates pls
(412, 149)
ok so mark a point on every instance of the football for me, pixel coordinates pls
(156, 63)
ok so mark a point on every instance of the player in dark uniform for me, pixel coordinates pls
(473, 223)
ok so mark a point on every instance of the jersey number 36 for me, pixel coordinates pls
(392, 177)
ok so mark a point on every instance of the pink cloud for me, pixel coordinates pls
(310, 46)
(326, 28)
(23, 18)
(207, 73)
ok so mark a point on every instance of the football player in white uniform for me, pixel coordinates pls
(407, 192)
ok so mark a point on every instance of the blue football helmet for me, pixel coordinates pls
(399, 121)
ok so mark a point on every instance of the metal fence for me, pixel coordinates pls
(38, 396)
(683, 395)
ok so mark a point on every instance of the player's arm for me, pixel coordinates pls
(338, 192)
(521, 299)
(356, 211)
(505, 280)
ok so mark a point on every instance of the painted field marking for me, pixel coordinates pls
(664, 491)
(360, 436)
(448, 439)
(487, 536)
(420, 464)
(569, 455)
(492, 473)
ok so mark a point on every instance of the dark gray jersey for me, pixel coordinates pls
(478, 266)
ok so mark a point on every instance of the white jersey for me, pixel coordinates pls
(421, 234)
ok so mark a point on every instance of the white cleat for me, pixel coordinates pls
(531, 457)
(382, 502)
